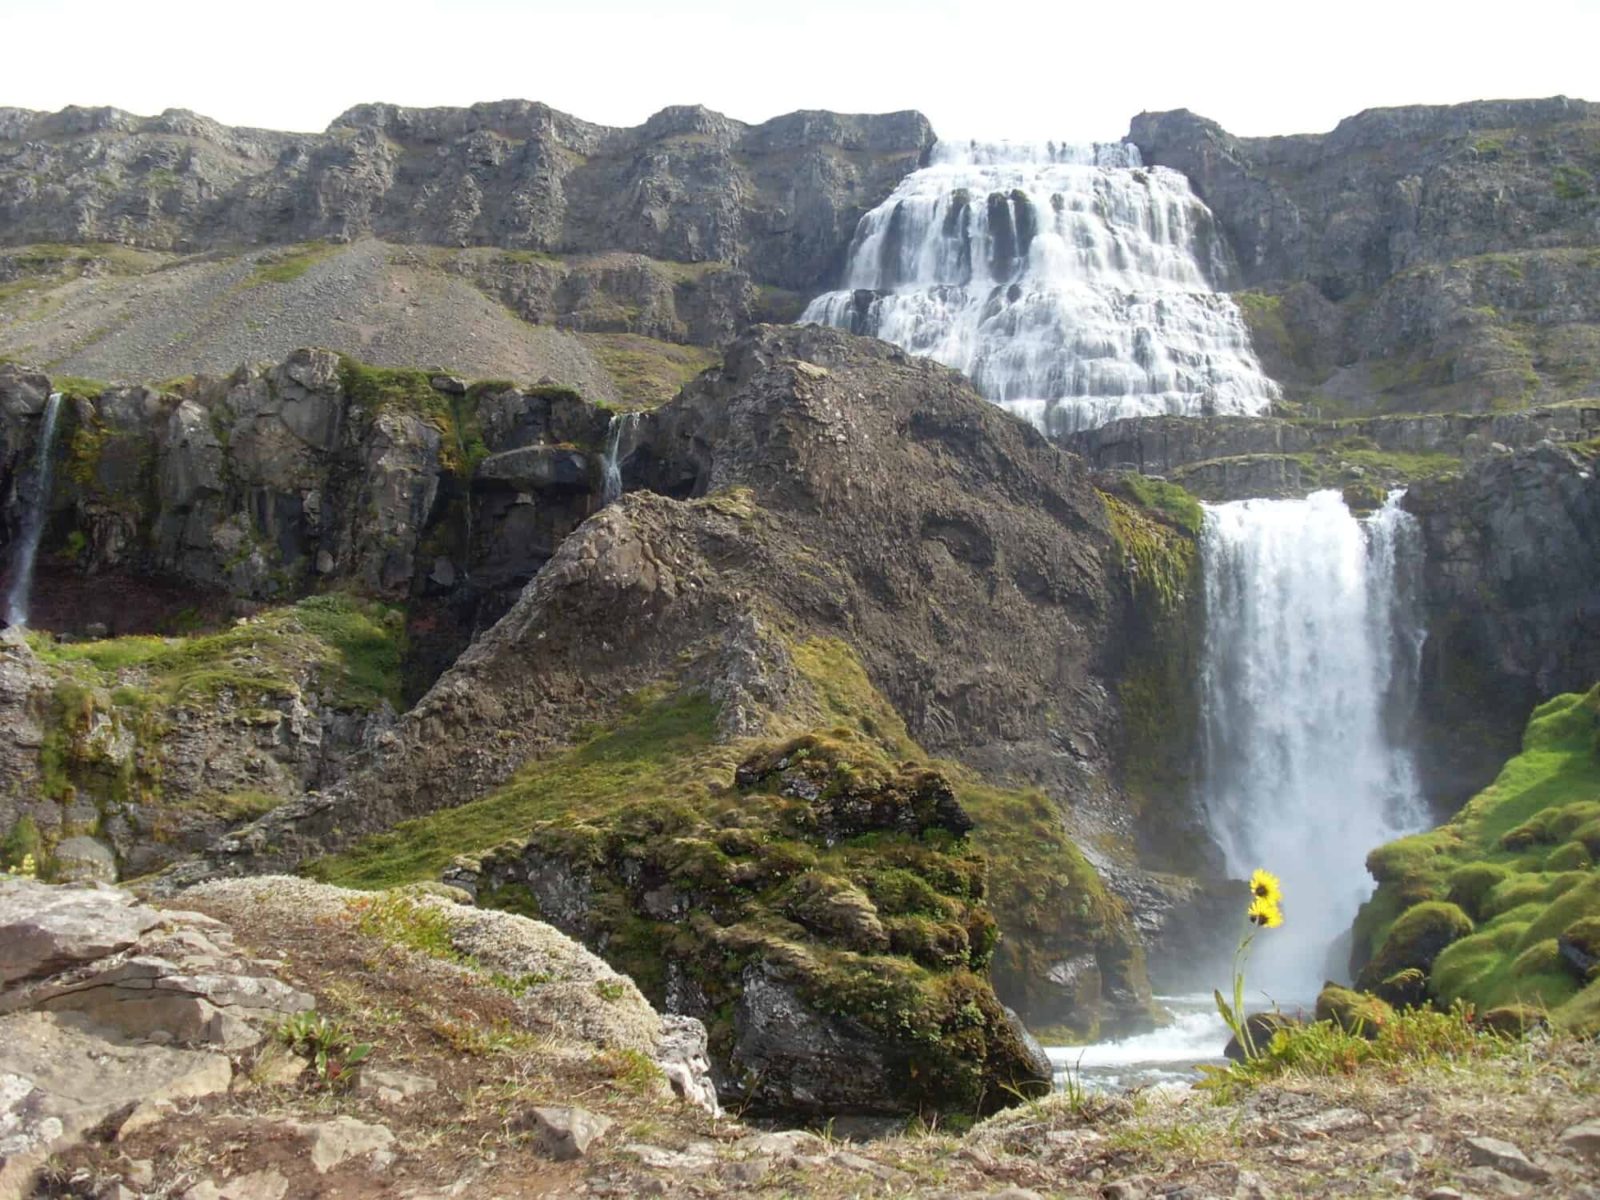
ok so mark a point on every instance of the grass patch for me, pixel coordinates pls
(285, 266)
(1410, 1039)
(647, 372)
(125, 692)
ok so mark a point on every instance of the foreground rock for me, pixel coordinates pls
(110, 1009)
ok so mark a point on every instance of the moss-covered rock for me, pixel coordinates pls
(1415, 940)
(158, 745)
(1353, 1011)
(1504, 893)
(1404, 989)
(836, 880)
(1514, 1020)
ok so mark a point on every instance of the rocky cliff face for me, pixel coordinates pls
(1413, 258)
(504, 240)
(314, 474)
(1510, 547)
(778, 200)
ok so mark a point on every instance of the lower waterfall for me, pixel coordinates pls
(1312, 648)
(33, 515)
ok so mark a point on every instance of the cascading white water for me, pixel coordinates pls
(620, 427)
(33, 515)
(1071, 284)
(1311, 656)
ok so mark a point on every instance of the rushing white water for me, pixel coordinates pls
(1070, 283)
(620, 428)
(1166, 1055)
(33, 515)
(1311, 656)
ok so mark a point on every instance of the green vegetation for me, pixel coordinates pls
(1572, 183)
(1155, 525)
(1410, 1038)
(1484, 904)
(1269, 332)
(647, 372)
(379, 389)
(324, 1043)
(834, 858)
(116, 699)
(288, 264)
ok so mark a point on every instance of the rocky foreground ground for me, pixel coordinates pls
(268, 1038)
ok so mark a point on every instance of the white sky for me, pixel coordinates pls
(990, 68)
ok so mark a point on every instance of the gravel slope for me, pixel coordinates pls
(208, 313)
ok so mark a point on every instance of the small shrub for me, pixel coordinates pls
(324, 1043)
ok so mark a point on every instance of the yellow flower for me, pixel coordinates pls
(1264, 885)
(1265, 913)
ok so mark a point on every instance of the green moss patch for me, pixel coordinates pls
(379, 389)
(1505, 881)
(288, 264)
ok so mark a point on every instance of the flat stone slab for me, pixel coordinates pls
(59, 1079)
(44, 929)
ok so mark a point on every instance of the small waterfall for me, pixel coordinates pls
(1070, 283)
(1312, 648)
(620, 428)
(33, 518)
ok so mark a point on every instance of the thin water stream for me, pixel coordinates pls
(34, 512)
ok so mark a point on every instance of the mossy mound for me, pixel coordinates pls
(1353, 1011)
(1415, 940)
(1515, 871)
(837, 869)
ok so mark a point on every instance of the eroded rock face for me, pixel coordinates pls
(110, 1009)
(1236, 458)
(915, 506)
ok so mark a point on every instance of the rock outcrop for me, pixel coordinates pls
(1235, 458)
(822, 499)
(110, 1010)
(1513, 611)
(1414, 258)
(840, 487)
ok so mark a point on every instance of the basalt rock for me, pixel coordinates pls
(780, 200)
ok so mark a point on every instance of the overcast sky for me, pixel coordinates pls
(989, 68)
